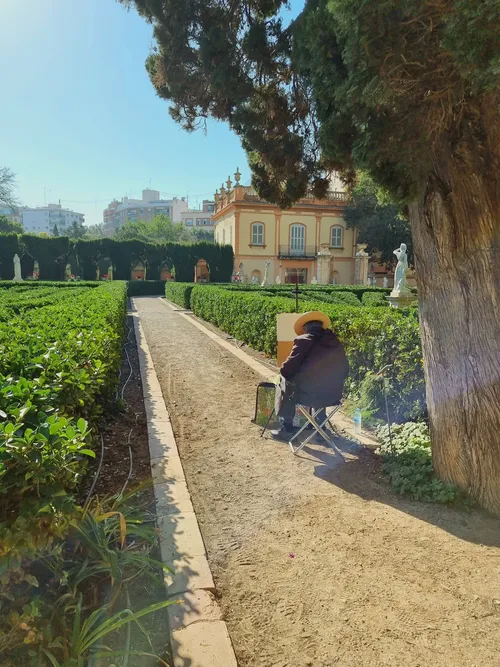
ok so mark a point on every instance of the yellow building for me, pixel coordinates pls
(308, 242)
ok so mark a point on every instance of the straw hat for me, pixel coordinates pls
(311, 316)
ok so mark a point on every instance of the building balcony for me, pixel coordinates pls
(246, 194)
(291, 252)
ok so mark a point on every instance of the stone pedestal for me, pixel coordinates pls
(361, 265)
(401, 299)
(324, 265)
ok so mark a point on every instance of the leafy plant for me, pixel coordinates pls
(88, 633)
(408, 463)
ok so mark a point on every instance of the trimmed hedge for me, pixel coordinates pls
(54, 253)
(346, 298)
(373, 337)
(146, 287)
(59, 362)
(374, 299)
(37, 284)
(358, 290)
(179, 293)
(134, 287)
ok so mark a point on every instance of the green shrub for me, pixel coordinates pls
(408, 463)
(179, 293)
(347, 298)
(289, 290)
(373, 337)
(37, 284)
(58, 364)
(374, 299)
(146, 287)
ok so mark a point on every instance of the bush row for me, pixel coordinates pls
(358, 290)
(179, 293)
(54, 253)
(146, 287)
(134, 287)
(375, 338)
(62, 564)
(58, 363)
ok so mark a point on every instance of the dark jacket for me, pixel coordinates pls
(318, 367)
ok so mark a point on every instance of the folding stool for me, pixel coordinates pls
(317, 428)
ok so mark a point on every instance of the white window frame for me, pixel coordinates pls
(297, 241)
(339, 237)
(257, 237)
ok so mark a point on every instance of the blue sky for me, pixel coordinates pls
(80, 120)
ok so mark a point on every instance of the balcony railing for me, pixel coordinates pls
(292, 252)
(246, 193)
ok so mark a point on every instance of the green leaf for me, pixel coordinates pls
(87, 452)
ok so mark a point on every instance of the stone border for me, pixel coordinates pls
(344, 424)
(198, 635)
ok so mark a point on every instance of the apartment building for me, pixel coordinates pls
(200, 217)
(45, 218)
(118, 213)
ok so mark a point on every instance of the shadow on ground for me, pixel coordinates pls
(357, 470)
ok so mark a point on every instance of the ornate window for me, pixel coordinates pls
(336, 237)
(257, 234)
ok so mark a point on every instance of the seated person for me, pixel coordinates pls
(314, 373)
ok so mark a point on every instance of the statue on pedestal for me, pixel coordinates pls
(17, 269)
(400, 282)
(385, 282)
(266, 272)
(278, 280)
(401, 296)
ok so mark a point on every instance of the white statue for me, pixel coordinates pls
(255, 280)
(17, 268)
(266, 271)
(278, 280)
(400, 283)
(385, 282)
(314, 280)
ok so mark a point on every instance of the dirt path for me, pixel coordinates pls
(316, 561)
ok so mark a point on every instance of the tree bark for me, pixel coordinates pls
(456, 233)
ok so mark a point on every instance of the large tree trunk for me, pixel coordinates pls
(456, 233)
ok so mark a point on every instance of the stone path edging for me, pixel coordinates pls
(198, 635)
(339, 419)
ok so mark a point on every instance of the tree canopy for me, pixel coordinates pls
(380, 223)
(8, 226)
(7, 185)
(385, 87)
(158, 230)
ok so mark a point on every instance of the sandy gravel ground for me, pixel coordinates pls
(316, 561)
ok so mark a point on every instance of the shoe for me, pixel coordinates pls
(283, 434)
